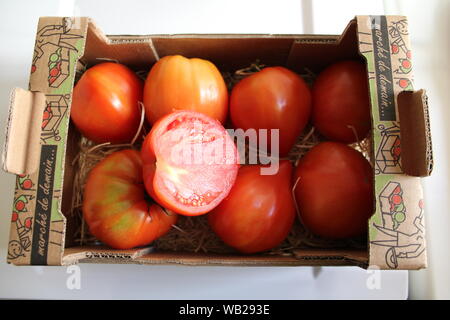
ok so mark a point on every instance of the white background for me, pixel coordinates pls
(429, 31)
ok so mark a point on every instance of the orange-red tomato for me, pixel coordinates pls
(190, 162)
(115, 205)
(273, 98)
(341, 104)
(179, 83)
(105, 103)
(334, 191)
(258, 213)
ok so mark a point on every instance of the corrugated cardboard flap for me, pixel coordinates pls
(21, 149)
(417, 155)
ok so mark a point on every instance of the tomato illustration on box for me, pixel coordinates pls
(57, 41)
(24, 182)
(392, 206)
(405, 65)
(53, 114)
(399, 49)
(58, 66)
(389, 152)
(405, 83)
(401, 245)
(397, 32)
(23, 226)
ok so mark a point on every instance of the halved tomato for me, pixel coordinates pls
(190, 162)
(115, 205)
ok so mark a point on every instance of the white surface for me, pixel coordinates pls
(176, 282)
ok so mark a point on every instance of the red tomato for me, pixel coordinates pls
(46, 115)
(273, 98)
(396, 199)
(27, 184)
(395, 49)
(190, 162)
(20, 205)
(334, 191)
(408, 54)
(54, 72)
(28, 221)
(179, 83)
(406, 64)
(105, 103)
(258, 213)
(115, 205)
(403, 83)
(341, 101)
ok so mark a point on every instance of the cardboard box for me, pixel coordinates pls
(41, 141)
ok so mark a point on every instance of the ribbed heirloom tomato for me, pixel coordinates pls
(178, 83)
(334, 191)
(105, 103)
(273, 98)
(190, 162)
(341, 104)
(115, 205)
(259, 212)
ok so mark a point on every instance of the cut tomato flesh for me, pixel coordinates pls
(195, 162)
(195, 187)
